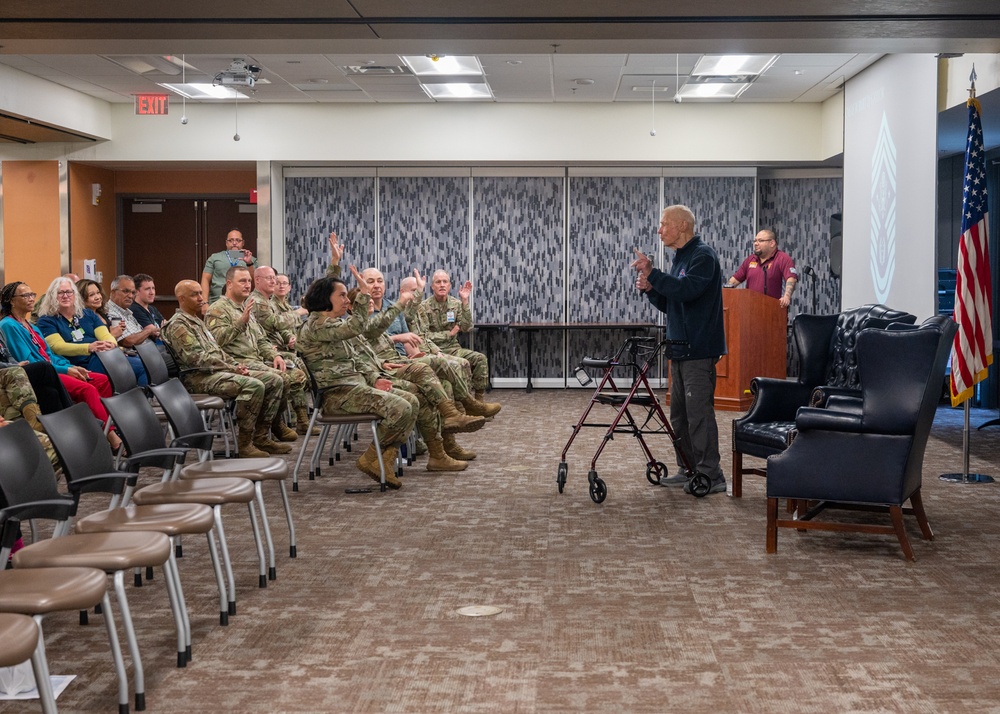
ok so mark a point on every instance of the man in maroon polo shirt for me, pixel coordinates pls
(768, 270)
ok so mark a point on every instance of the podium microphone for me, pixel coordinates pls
(808, 270)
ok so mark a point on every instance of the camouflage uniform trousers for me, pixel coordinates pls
(397, 409)
(451, 371)
(293, 379)
(15, 394)
(258, 395)
(428, 417)
(299, 397)
(480, 368)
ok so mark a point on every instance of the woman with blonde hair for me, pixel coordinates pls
(76, 332)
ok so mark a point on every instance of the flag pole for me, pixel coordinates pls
(972, 350)
(965, 476)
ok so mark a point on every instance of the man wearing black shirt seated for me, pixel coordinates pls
(142, 306)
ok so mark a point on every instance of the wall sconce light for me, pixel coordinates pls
(95, 194)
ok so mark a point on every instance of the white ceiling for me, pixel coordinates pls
(300, 78)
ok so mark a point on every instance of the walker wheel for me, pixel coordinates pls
(598, 490)
(561, 476)
(700, 485)
(655, 471)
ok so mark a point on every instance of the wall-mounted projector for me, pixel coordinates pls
(239, 74)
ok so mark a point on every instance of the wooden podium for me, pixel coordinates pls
(756, 336)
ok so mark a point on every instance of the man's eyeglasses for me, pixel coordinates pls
(123, 291)
(27, 296)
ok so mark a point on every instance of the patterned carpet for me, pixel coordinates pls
(653, 601)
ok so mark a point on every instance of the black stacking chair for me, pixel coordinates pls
(188, 429)
(119, 370)
(161, 367)
(343, 422)
(28, 485)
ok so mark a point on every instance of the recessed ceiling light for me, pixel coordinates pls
(203, 91)
(583, 82)
(513, 61)
(458, 90)
(711, 90)
(721, 65)
(450, 65)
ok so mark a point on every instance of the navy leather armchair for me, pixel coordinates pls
(827, 361)
(870, 454)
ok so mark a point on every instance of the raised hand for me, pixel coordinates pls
(363, 287)
(421, 282)
(336, 249)
(465, 291)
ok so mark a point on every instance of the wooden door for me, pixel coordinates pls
(172, 238)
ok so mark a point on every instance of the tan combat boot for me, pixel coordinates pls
(262, 441)
(368, 463)
(476, 407)
(439, 459)
(30, 413)
(455, 451)
(247, 448)
(302, 422)
(456, 422)
(282, 432)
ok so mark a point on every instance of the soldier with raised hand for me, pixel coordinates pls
(206, 369)
(437, 414)
(446, 316)
(352, 384)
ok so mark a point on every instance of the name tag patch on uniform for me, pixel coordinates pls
(451, 316)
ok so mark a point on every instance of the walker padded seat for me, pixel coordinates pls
(826, 347)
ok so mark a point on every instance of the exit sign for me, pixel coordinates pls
(152, 104)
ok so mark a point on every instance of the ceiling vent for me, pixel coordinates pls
(373, 70)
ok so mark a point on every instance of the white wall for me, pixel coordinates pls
(31, 97)
(890, 185)
(449, 133)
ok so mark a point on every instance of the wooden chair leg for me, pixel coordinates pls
(737, 474)
(917, 501)
(896, 512)
(772, 525)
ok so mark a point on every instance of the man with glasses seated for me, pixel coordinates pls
(119, 308)
(767, 269)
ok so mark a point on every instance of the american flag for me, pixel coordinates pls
(972, 352)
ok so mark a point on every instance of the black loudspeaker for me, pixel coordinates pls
(836, 244)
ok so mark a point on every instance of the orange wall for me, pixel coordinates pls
(31, 222)
(185, 182)
(92, 229)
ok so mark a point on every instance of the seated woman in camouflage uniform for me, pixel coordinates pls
(355, 387)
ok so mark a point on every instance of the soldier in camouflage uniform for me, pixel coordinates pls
(17, 400)
(326, 344)
(257, 394)
(446, 317)
(290, 315)
(280, 333)
(241, 337)
(437, 415)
